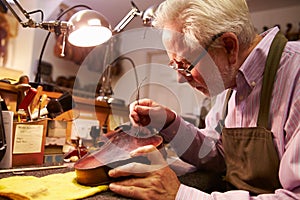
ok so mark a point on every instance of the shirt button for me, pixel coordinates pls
(253, 83)
(241, 97)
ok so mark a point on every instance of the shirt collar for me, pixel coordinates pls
(251, 71)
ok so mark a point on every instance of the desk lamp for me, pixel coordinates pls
(94, 29)
(93, 23)
(85, 28)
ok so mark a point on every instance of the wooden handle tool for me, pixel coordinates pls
(35, 102)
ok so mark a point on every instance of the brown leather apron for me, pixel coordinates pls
(251, 158)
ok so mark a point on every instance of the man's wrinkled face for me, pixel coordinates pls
(205, 76)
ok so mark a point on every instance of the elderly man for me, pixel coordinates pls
(253, 131)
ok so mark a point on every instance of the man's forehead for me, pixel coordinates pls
(177, 43)
(172, 36)
(173, 41)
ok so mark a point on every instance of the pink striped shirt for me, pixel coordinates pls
(203, 148)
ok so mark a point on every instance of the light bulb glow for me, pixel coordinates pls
(90, 36)
(88, 28)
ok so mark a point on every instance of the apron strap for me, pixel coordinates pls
(271, 67)
(221, 122)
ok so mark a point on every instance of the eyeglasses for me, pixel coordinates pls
(179, 66)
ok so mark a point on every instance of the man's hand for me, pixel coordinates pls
(155, 181)
(146, 112)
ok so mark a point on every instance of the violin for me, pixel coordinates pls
(92, 169)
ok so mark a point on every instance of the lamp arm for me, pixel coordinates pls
(25, 13)
(132, 64)
(106, 89)
(125, 21)
(51, 26)
(29, 23)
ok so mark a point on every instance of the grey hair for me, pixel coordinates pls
(202, 19)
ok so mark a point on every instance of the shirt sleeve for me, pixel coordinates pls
(199, 147)
(187, 193)
(289, 168)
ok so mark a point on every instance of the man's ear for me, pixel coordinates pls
(231, 45)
